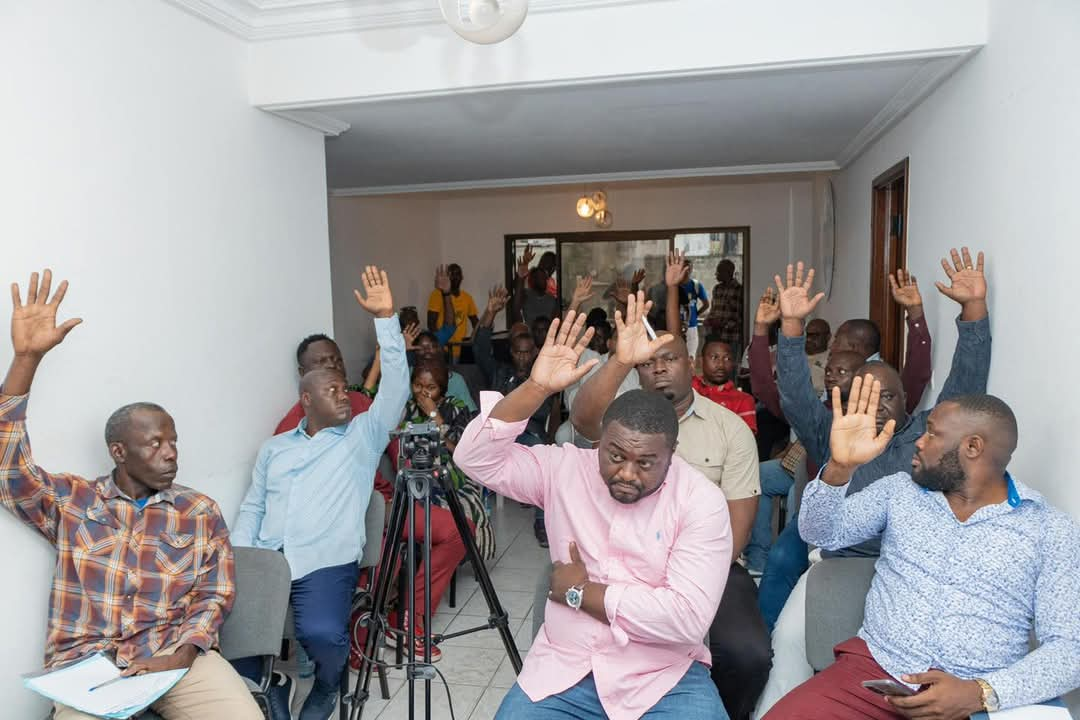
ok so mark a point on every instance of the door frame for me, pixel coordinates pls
(888, 253)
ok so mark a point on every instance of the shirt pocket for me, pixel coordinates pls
(96, 541)
(175, 556)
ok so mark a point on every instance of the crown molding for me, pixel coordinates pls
(914, 91)
(329, 126)
(673, 174)
(276, 19)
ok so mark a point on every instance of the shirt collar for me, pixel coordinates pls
(110, 490)
(692, 410)
(1017, 493)
(301, 429)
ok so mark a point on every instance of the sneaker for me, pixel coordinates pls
(540, 531)
(418, 648)
(280, 696)
(320, 702)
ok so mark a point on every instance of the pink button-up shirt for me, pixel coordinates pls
(664, 558)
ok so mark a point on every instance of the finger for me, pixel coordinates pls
(816, 299)
(69, 326)
(575, 556)
(16, 297)
(583, 341)
(958, 262)
(979, 265)
(659, 342)
(779, 283)
(837, 404)
(930, 677)
(867, 393)
(383, 279)
(874, 399)
(619, 324)
(913, 281)
(552, 333)
(46, 285)
(893, 284)
(360, 299)
(59, 295)
(967, 258)
(853, 396)
(574, 335)
(885, 436)
(790, 277)
(809, 279)
(944, 289)
(31, 292)
(949, 272)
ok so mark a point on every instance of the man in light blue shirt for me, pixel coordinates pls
(972, 561)
(310, 489)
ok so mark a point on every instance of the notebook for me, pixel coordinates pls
(77, 686)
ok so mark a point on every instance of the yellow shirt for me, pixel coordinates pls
(464, 308)
(720, 445)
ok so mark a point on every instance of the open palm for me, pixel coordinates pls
(795, 299)
(633, 346)
(33, 325)
(556, 367)
(376, 299)
(768, 309)
(967, 280)
(905, 289)
(854, 439)
(676, 270)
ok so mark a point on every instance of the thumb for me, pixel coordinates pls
(927, 678)
(69, 326)
(945, 290)
(575, 556)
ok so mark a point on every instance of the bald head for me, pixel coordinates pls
(324, 396)
(893, 402)
(861, 336)
(818, 333)
(314, 379)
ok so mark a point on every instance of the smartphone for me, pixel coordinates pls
(887, 687)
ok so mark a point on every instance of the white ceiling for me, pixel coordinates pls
(720, 124)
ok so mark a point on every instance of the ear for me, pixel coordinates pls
(305, 399)
(973, 447)
(118, 452)
(300, 370)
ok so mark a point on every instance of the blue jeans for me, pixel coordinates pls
(321, 603)
(693, 698)
(786, 564)
(775, 482)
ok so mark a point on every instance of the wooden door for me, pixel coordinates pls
(889, 253)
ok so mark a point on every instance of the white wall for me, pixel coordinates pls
(413, 233)
(994, 153)
(193, 230)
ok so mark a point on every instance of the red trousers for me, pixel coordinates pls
(836, 693)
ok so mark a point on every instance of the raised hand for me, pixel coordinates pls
(795, 300)
(582, 291)
(378, 301)
(621, 290)
(768, 309)
(854, 439)
(498, 297)
(411, 332)
(639, 277)
(677, 269)
(556, 367)
(34, 331)
(524, 262)
(967, 281)
(442, 279)
(905, 290)
(633, 345)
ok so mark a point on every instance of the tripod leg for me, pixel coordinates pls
(498, 614)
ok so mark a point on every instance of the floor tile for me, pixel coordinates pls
(488, 704)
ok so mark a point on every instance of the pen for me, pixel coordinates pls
(108, 682)
(648, 328)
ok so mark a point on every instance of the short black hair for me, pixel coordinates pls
(439, 373)
(716, 339)
(307, 342)
(993, 410)
(117, 424)
(868, 330)
(645, 411)
(428, 335)
(596, 316)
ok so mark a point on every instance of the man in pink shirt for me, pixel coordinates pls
(641, 544)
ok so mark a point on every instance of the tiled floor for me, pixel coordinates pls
(476, 668)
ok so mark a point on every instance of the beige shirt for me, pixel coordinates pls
(719, 444)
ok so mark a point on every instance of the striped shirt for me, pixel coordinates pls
(128, 581)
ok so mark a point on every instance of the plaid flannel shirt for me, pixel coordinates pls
(128, 581)
(725, 318)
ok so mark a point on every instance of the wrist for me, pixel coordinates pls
(915, 312)
(838, 474)
(761, 329)
(791, 327)
(973, 310)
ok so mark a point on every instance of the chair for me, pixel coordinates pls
(836, 590)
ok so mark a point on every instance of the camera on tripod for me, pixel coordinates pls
(419, 444)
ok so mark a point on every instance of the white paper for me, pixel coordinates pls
(73, 686)
(1032, 712)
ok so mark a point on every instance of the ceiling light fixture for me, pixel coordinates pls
(484, 22)
(594, 206)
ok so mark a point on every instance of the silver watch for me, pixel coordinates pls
(575, 595)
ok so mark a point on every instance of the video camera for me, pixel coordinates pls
(418, 444)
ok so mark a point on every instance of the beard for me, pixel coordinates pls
(946, 476)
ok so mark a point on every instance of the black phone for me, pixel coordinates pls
(887, 687)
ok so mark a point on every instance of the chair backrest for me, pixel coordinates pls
(263, 582)
(836, 591)
(801, 479)
(374, 522)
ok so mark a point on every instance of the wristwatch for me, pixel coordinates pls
(989, 696)
(433, 414)
(574, 596)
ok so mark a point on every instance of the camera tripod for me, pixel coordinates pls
(419, 468)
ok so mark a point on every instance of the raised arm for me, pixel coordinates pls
(675, 274)
(582, 292)
(828, 517)
(632, 347)
(918, 361)
(31, 494)
(375, 425)
(762, 380)
(487, 452)
(521, 279)
(971, 359)
(449, 323)
(801, 405)
(497, 299)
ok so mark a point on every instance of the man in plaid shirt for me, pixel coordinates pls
(725, 321)
(144, 568)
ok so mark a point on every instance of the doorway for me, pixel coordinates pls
(889, 253)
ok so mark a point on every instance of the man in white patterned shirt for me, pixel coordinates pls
(971, 562)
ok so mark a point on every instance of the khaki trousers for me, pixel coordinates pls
(211, 690)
